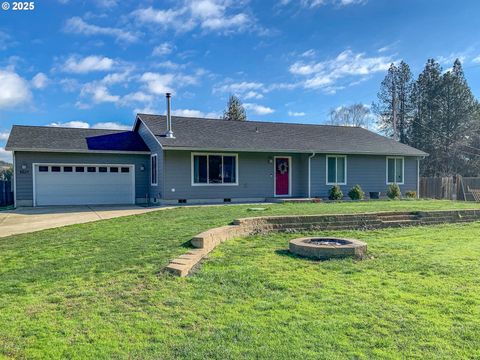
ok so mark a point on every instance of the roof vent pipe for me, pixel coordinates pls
(169, 133)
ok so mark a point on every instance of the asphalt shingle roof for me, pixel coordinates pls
(217, 134)
(71, 139)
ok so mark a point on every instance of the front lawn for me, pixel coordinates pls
(97, 291)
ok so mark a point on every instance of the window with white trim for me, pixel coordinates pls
(336, 170)
(154, 170)
(395, 170)
(214, 169)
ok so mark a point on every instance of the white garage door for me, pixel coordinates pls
(82, 184)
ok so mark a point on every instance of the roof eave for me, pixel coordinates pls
(122, 152)
(165, 147)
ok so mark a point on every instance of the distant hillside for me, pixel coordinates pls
(3, 163)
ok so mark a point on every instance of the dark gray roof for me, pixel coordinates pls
(217, 134)
(71, 139)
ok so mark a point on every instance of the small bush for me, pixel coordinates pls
(411, 194)
(335, 193)
(393, 191)
(356, 193)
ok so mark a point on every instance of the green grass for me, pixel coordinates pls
(97, 291)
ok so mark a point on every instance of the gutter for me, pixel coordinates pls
(14, 181)
(309, 175)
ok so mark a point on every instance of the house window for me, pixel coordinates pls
(154, 170)
(337, 170)
(395, 170)
(79, 169)
(102, 169)
(214, 169)
(67, 169)
(91, 169)
(56, 168)
(125, 170)
(114, 169)
(43, 168)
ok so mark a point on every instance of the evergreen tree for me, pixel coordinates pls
(426, 111)
(394, 102)
(235, 110)
(458, 115)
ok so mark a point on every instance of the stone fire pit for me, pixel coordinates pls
(323, 248)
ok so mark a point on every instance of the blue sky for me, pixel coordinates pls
(95, 63)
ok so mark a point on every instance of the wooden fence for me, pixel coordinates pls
(6, 193)
(449, 188)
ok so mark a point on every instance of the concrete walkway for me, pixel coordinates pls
(25, 220)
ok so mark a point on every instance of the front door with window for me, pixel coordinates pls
(282, 176)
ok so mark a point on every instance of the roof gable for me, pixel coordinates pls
(36, 138)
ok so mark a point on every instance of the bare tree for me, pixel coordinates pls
(352, 115)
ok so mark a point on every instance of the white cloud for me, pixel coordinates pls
(138, 97)
(4, 135)
(88, 64)
(86, 125)
(317, 3)
(115, 78)
(111, 126)
(195, 113)
(211, 15)
(14, 90)
(258, 109)
(476, 60)
(5, 155)
(188, 113)
(71, 124)
(106, 3)
(162, 49)
(157, 83)
(309, 53)
(246, 90)
(325, 74)
(40, 81)
(99, 93)
(77, 25)
(296, 114)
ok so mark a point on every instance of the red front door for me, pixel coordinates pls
(282, 178)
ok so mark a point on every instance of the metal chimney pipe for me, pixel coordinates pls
(169, 133)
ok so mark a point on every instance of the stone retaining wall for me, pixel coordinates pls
(206, 241)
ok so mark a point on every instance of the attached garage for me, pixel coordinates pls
(83, 184)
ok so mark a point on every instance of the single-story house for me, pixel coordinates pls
(197, 160)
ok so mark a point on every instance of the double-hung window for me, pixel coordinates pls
(214, 169)
(153, 170)
(336, 170)
(395, 169)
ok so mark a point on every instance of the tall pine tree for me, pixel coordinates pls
(235, 110)
(457, 116)
(394, 102)
(426, 110)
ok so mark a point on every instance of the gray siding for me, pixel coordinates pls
(255, 177)
(155, 148)
(25, 178)
(369, 171)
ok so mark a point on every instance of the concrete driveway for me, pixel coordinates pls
(25, 220)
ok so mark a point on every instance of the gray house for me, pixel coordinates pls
(196, 160)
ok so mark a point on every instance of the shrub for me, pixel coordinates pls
(393, 191)
(335, 193)
(411, 194)
(356, 193)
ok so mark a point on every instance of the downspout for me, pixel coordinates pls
(14, 182)
(418, 178)
(309, 175)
